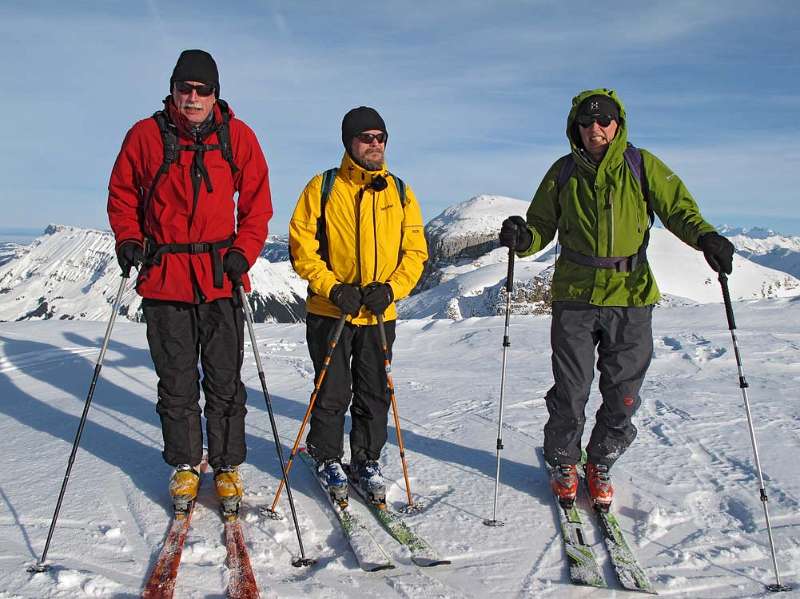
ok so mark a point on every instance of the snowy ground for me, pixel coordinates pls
(687, 491)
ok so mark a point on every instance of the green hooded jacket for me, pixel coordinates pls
(601, 211)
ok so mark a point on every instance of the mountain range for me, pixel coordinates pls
(71, 273)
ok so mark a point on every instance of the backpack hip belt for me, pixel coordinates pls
(620, 264)
(154, 251)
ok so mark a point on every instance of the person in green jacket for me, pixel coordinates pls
(600, 199)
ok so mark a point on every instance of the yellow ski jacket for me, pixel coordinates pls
(371, 236)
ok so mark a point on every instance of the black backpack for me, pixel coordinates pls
(169, 139)
(328, 178)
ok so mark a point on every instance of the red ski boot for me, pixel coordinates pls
(564, 481)
(601, 491)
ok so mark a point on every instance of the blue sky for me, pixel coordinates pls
(474, 93)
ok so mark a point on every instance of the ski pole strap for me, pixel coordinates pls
(620, 264)
(154, 251)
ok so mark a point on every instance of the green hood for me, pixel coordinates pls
(618, 144)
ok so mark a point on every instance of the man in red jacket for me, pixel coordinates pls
(171, 206)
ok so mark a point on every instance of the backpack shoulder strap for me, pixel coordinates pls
(633, 158)
(169, 141)
(224, 136)
(401, 188)
(565, 171)
(328, 178)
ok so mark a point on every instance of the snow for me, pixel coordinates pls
(687, 490)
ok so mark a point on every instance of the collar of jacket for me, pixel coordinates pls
(182, 124)
(356, 174)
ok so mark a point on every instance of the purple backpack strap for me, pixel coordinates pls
(633, 158)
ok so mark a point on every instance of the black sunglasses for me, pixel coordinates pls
(203, 90)
(366, 138)
(586, 120)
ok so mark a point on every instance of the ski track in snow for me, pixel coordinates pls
(687, 492)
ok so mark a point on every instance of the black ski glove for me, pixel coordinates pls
(718, 251)
(129, 254)
(515, 234)
(377, 297)
(347, 298)
(235, 265)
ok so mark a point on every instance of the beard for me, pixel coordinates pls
(370, 165)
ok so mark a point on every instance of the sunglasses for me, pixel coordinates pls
(366, 138)
(204, 90)
(586, 120)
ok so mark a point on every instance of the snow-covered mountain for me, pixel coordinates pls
(8, 251)
(467, 271)
(72, 273)
(766, 247)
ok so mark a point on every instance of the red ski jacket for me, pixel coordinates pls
(182, 213)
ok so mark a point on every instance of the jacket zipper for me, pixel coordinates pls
(375, 234)
(610, 208)
(359, 197)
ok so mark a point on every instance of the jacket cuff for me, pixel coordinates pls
(129, 240)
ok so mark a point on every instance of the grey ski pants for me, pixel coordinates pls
(624, 340)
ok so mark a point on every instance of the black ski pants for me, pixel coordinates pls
(356, 372)
(180, 334)
(624, 340)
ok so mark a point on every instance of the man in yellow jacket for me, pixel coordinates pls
(357, 237)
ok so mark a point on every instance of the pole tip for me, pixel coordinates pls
(412, 508)
(36, 568)
(302, 562)
(271, 514)
(778, 588)
(494, 523)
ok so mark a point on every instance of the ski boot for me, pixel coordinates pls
(601, 491)
(230, 489)
(183, 485)
(367, 475)
(564, 482)
(334, 480)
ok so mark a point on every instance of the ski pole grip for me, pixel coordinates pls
(510, 275)
(726, 297)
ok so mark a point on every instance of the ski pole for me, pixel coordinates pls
(506, 344)
(40, 565)
(390, 384)
(726, 296)
(317, 385)
(302, 560)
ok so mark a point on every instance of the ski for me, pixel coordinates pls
(629, 572)
(161, 581)
(241, 581)
(369, 553)
(583, 566)
(422, 554)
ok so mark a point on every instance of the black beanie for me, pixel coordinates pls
(359, 120)
(599, 105)
(196, 65)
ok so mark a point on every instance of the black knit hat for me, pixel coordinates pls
(196, 65)
(599, 105)
(359, 120)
